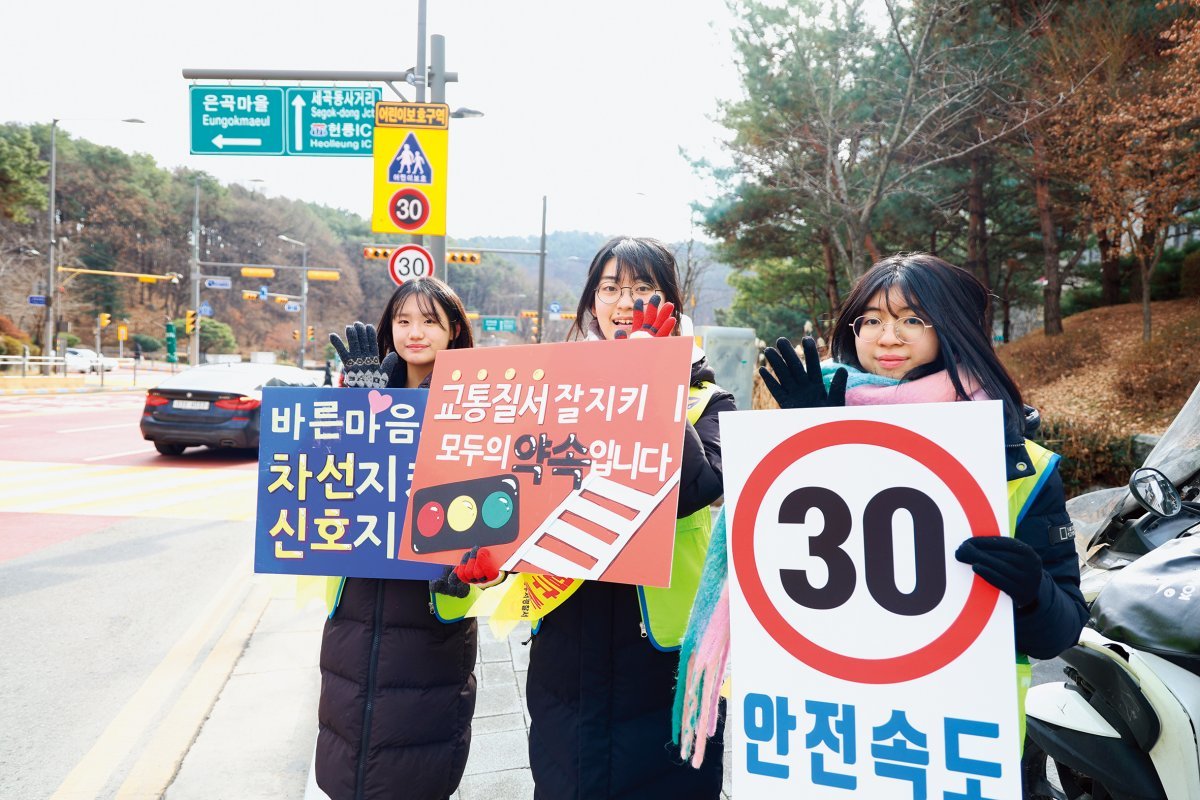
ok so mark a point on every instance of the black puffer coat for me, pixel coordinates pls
(397, 695)
(599, 693)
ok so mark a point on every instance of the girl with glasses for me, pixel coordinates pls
(602, 664)
(914, 330)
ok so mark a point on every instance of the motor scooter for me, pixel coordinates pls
(1125, 725)
(1112, 530)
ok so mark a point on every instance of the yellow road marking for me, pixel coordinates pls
(87, 780)
(156, 767)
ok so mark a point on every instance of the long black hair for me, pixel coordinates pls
(640, 259)
(955, 303)
(431, 295)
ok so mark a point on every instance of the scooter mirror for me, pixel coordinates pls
(1155, 492)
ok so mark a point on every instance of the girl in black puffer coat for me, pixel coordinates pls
(602, 665)
(397, 680)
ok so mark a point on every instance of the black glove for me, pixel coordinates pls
(360, 358)
(795, 385)
(1009, 564)
(449, 584)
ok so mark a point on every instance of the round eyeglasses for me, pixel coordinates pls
(906, 329)
(610, 293)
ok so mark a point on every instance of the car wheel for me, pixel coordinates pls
(169, 449)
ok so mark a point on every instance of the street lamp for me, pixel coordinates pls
(48, 345)
(303, 292)
(465, 113)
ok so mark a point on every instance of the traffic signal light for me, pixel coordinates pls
(377, 252)
(311, 333)
(104, 319)
(529, 314)
(189, 324)
(462, 257)
(249, 295)
(567, 315)
(296, 335)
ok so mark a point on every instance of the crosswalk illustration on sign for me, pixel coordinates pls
(410, 164)
(534, 553)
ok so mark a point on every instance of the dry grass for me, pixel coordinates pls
(1101, 374)
(1099, 383)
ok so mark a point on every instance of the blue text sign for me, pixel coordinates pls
(37, 299)
(218, 283)
(334, 468)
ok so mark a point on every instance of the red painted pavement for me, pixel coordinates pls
(24, 533)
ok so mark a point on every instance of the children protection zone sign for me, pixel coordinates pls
(563, 459)
(410, 153)
(870, 662)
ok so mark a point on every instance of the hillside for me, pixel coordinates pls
(1101, 373)
(1099, 383)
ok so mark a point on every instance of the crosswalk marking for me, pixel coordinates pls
(533, 552)
(96, 489)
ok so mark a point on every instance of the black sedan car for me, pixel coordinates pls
(216, 405)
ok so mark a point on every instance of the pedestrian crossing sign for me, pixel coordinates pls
(410, 149)
(410, 165)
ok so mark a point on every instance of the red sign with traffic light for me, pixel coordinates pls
(564, 459)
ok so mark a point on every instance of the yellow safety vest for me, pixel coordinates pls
(1020, 496)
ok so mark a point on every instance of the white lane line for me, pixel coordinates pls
(93, 428)
(118, 455)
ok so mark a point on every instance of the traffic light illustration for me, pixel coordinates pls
(462, 257)
(105, 318)
(377, 252)
(463, 514)
(189, 324)
(311, 333)
(296, 335)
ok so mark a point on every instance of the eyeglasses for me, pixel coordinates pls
(906, 329)
(609, 292)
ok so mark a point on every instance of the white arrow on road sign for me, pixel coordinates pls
(298, 104)
(220, 141)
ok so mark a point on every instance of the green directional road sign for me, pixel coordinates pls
(499, 324)
(274, 121)
(237, 120)
(331, 120)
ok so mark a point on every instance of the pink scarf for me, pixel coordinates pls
(935, 388)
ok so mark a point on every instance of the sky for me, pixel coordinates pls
(586, 102)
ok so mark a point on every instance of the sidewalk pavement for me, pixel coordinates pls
(259, 738)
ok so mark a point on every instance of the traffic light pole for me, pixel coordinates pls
(194, 338)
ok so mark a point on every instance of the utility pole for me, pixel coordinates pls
(48, 345)
(303, 305)
(194, 338)
(542, 277)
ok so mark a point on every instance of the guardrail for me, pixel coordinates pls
(37, 363)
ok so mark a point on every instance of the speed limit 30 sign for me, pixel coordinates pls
(409, 261)
(853, 624)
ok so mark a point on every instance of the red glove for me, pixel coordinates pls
(478, 567)
(651, 319)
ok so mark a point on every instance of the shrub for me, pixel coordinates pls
(1092, 455)
(69, 339)
(149, 343)
(1189, 275)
